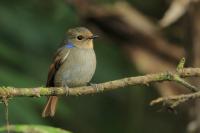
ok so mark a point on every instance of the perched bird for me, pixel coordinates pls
(74, 64)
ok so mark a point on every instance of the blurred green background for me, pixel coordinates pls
(30, 33)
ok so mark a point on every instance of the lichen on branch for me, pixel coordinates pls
(101, 87)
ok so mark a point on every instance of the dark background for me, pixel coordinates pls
(30, 33)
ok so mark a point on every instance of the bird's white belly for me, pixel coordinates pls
(77, 69)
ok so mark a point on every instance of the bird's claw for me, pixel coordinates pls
(96, 86)
(66, 90)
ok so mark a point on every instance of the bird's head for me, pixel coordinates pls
(80, 37)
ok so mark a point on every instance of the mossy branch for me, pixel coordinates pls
(111, 85)
(174, 101)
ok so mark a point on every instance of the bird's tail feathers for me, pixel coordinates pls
(50, 107)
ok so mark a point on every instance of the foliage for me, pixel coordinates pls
(32, 129)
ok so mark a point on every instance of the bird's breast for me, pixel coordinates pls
(77, 69)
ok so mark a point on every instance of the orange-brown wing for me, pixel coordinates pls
(59, 58)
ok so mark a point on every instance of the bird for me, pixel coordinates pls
(74, 64)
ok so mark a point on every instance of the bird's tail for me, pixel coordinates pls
(50, 107)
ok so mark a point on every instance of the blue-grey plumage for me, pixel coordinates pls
(77, 69)
(74, 64)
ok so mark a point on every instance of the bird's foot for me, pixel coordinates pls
(97, 87)
(66, 90)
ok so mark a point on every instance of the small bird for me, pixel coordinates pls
(74, 64)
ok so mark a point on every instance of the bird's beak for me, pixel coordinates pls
(93, 37)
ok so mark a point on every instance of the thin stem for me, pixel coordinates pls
(111, 85)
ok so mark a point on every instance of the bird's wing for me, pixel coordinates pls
(60, 56)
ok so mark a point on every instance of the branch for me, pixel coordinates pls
(174, 101)
(111, 85)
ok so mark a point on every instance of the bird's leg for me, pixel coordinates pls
(96, 86)
(66, 90)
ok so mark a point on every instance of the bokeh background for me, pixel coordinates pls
(137, 37)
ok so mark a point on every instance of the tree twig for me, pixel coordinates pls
(111, 85)
(174, 101)
(5, 101)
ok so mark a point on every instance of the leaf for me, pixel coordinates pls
(33, 129)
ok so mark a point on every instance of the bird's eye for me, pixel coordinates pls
(80, 37)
